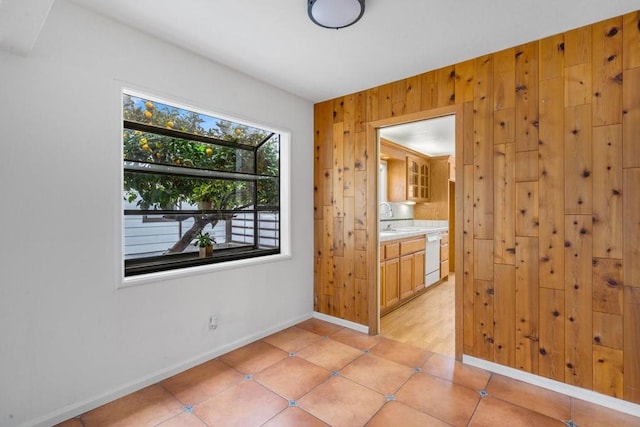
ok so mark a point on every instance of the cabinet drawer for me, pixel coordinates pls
(444, 253)
(392, 250)
(444, 238)
(412, 246)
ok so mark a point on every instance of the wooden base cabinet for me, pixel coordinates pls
(444, 254)
(402, 271)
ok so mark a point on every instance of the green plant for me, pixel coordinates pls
(203, 240)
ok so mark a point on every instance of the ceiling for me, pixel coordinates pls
(274, 41)
(433, 137)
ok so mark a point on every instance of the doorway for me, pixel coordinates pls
(431, 316)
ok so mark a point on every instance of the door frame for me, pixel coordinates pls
(372, 142)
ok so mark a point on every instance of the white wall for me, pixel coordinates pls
(69, 339)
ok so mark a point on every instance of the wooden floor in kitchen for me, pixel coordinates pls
(427, 321)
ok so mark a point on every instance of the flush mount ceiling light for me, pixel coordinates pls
(335, 13)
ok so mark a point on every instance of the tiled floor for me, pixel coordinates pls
(319, 374)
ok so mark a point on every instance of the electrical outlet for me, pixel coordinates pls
(213, 322)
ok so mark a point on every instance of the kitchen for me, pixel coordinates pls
(415, 194)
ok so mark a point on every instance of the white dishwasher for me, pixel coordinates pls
(432, 259)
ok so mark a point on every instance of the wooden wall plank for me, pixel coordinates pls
(527, 303)
(631, 40)
(608, 330)
(372, 112)
(360, 220)
(578, 294)
(464, 83)
(483, 317)
(551, 184)
(414, 94)
(360, 112)
(467, 259)
(607, 371)
(361, 153)
(527, 217)
(338, 169)
(504, 242)
(468, 138)
(577, 85)
(607, 191)
(632, 344)
(504, 314)
(577, 46)
(631, 118)
(527, 166)
(504, 70)
(504, 126)
(483, 259)
(348, 162)
(446, 81)
(578, 160)
(607, 285)
(398, 98)
(551, 57)
(607, 72)
(551, 352)
(631, 225)
(483, 149)
(428, 91)
(385, 101)
(526, 97)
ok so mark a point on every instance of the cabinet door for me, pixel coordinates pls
(418, 270)
(444, 269)
(406, 276)
(444, 252)
(391, 285)
(418, 177)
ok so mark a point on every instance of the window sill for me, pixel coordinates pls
(160, 276)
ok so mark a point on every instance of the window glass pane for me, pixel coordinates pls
(148, 191)
(269, 157)
(268, 192)
(164, 116)
(269, 229)
(159, 149)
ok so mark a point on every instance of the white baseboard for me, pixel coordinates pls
(557, 386)
(341, 322)
(78, 408)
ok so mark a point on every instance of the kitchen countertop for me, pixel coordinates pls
(403, 232)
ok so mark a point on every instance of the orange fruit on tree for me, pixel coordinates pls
(238, 131)
(149, 105)
(170, 124)
(146, 147)
(208, 152)
(148, 114)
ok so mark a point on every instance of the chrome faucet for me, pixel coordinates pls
(382, 211)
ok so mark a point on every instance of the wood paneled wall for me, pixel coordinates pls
(548, 193)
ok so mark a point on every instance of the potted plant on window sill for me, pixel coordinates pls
(205, 242)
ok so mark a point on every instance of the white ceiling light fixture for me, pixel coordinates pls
(335, 14)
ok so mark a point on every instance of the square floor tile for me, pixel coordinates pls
(201, 382)
(405, 354)
(340, 402)
(401, 415)
(448, 368)
(378, 374)
(319, 327)
(254, 357)
(244, 404)
(439, 398)
(493, 412)
(185, 419)
(586, 414)
(538, 399)
(147, 407)
(294, 417)
(292, 377)
(330, 354)
(292, 339)
(356, 339)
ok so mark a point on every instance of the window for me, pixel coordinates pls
(188, 175)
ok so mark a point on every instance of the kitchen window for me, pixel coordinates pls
(192, 178)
